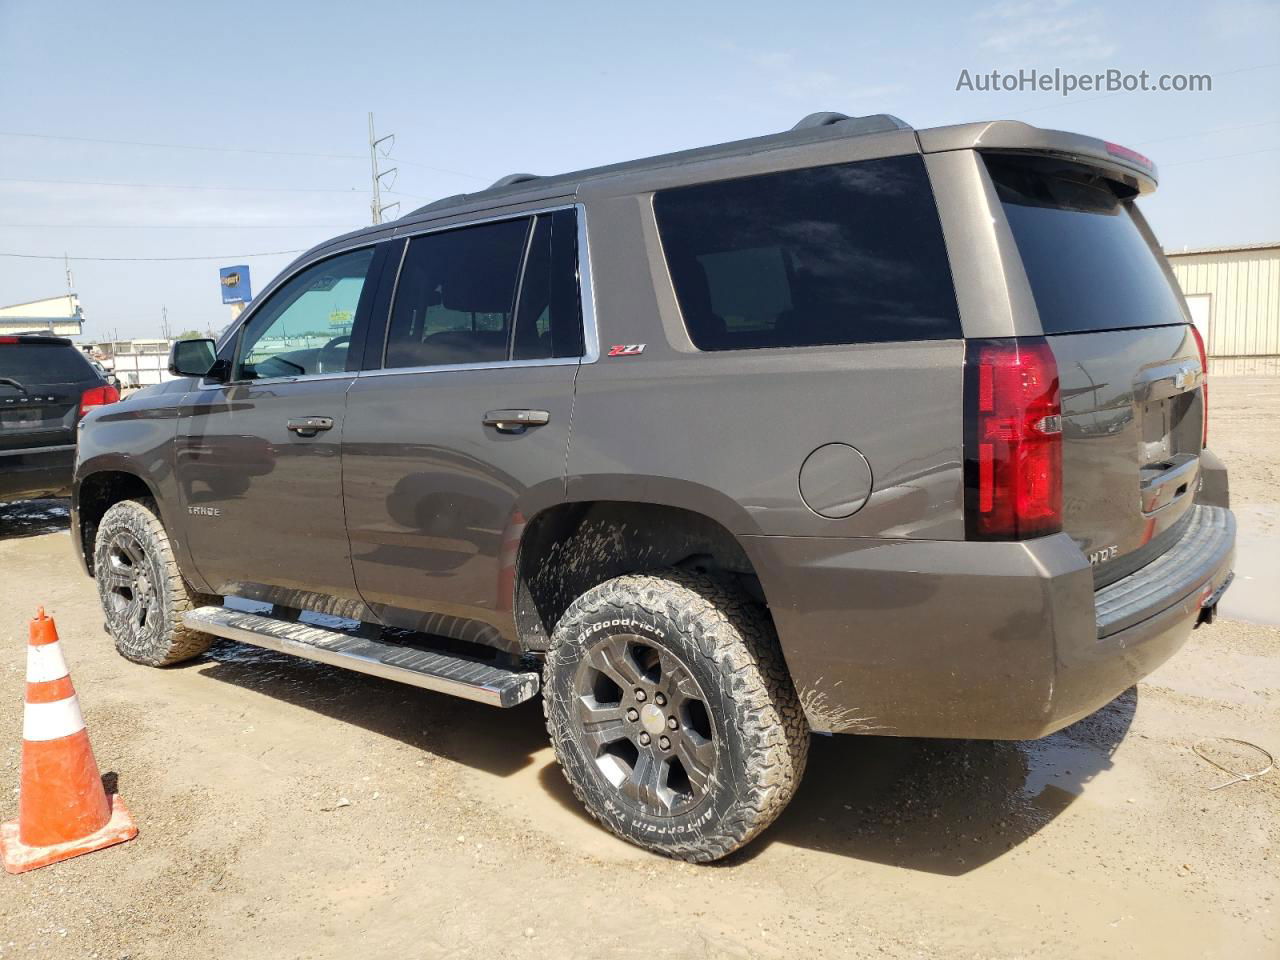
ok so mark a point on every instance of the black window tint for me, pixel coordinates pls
(30, 363)
(840, 254)
(455, 296)
(549, 318)
(1088, 263)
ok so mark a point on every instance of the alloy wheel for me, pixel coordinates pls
(643, 718)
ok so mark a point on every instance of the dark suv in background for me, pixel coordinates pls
(850, 429)
(46, 385)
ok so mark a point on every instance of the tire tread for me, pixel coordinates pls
(737, 640)
(177, 642)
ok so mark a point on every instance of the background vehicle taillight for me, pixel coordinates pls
(97, 397)
(1204, 384)
(1013, 447)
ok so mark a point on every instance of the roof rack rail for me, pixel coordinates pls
(873, 123)
(513, 178)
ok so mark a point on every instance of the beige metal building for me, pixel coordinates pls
(60, 315)
(1234, 297)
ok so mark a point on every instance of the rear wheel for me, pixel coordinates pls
(672, 715)
(143, 593)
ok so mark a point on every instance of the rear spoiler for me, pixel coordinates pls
(1009, 136)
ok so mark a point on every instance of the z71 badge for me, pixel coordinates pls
(626, 349)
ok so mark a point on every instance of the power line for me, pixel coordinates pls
(229, 256)
(181, 146)
(179, 186)
(223, 149)
(1068, 101)
(1226, 156)
(1205, 133)
(177, 226)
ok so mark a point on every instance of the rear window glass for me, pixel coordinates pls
(851, 253)
(30, 363)
(1089, 265)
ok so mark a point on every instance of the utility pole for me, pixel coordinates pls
(71, 283)
(375, 204)
(164, 321)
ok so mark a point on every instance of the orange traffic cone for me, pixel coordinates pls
(63, 811)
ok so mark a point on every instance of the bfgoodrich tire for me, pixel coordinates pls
(143, 594)
(672, 715)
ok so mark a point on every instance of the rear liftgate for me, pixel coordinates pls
(432, 670)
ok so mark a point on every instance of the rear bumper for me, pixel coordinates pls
(983, 640)
(36, 473)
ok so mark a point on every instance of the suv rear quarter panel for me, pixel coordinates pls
(730, 430)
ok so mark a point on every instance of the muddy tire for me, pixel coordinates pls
(672, 713)
(143, 594)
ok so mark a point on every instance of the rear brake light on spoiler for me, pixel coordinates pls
(1013, 440)
(1133, 156)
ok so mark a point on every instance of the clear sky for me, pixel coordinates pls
(479, 89)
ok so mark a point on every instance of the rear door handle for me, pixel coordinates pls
(516, 421)
(310, 426)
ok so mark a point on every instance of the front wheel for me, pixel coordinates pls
(672, 714)
(143, 593)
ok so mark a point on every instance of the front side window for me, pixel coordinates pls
(304, 328)
(849, 253)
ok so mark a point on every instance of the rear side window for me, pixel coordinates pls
(456, 295)
(489, 293)
(31, 363)
(851, 253)
(1089, 265)
(549, 319)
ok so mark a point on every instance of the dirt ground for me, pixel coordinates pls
(292, 810)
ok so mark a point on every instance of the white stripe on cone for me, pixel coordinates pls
(51, 721)
(45, 663)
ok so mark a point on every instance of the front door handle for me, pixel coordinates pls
(310, 426)
(516, 421)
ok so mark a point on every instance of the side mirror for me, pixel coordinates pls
(192, 358)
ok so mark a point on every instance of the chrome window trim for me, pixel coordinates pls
(489, 365)
(268, 381)
(586, 291)
(586, 297)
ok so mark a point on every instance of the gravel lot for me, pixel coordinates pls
(292, 810)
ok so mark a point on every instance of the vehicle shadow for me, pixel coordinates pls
(939, 806)
(31, 518)
(498, 742)
(942, 806)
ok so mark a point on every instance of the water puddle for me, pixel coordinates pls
(29, 518)
(1255, 593)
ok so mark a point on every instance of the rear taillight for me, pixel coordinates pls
(1204, 384)
(1013, 448)
(97, 397)
(8, 339)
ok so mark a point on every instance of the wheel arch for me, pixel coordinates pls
(96, 491)
(567, 548)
